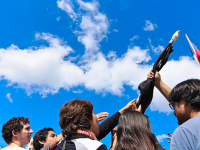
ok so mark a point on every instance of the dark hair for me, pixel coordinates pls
(75, 115)
(134, 132)
(189, 91)
(13, 124)
(41, 135)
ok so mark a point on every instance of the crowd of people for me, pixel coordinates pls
(81, 131)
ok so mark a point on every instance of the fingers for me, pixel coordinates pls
(102, 116)
(168, 138)
(169, 134)
(150, 75)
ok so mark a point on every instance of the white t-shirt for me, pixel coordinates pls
(13, 148)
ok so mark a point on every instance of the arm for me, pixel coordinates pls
(106, 126)
(159, 84)
(55, 141)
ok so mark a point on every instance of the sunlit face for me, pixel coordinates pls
(24, 136)
(180, 112)
(94, 124)
(51, 135)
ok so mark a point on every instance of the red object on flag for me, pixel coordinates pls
(197, 52)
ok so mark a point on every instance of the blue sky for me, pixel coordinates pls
(54, 51)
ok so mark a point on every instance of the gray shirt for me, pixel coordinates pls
(47, 147)
(187, 135)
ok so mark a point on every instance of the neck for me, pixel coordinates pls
(194, 114)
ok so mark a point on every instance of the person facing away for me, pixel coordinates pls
(134, 133)
(184, 99)
(80, 125)
(16, 133)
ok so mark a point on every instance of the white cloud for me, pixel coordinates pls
(44, 70)
(161, 137)
(58, 18)
(115, 30)
(134, 37)
(78, 91)
(67, 6)
(9, 98)
(157, 49)
(149, 26)
(93, 26)
(47, 69)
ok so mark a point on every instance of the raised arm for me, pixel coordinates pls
(159, 84)
(108, 125)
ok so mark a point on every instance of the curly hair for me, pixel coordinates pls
(13, 124)
(189, 91)
(41, 135)
(75, 115)
(134, 132)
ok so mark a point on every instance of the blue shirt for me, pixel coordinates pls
(187, 135)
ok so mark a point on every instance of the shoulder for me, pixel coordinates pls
(186, 136)
(13, 148)
(90, 144)
(47, 147)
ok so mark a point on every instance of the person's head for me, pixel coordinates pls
(78, 114)
(43, 137)
(183, 96)
(17, 129)
(134, 132)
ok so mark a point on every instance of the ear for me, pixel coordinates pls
(41, 142)
(14, 133)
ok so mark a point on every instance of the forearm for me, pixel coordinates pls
(107, 125)
(163, 88)
(56, 141)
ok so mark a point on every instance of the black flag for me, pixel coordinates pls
(146, 87)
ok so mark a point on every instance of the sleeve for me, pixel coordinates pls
(102, 147)
(106, 126)
(47, 147)
(183, 139)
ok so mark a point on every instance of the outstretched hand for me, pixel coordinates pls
(102, 116)
(131, 106)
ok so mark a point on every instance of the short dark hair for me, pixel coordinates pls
(75, 115)
(189, 91)
(41, 135)
(16, 124)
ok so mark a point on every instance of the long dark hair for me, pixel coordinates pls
(134, 132)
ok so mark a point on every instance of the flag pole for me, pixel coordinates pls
(192, 47)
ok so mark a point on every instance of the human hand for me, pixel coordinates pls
(157, 77)
(113, 134)
(113, 138)
(102, 116)
(139, 109)
(129, 106)
(169, 137)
